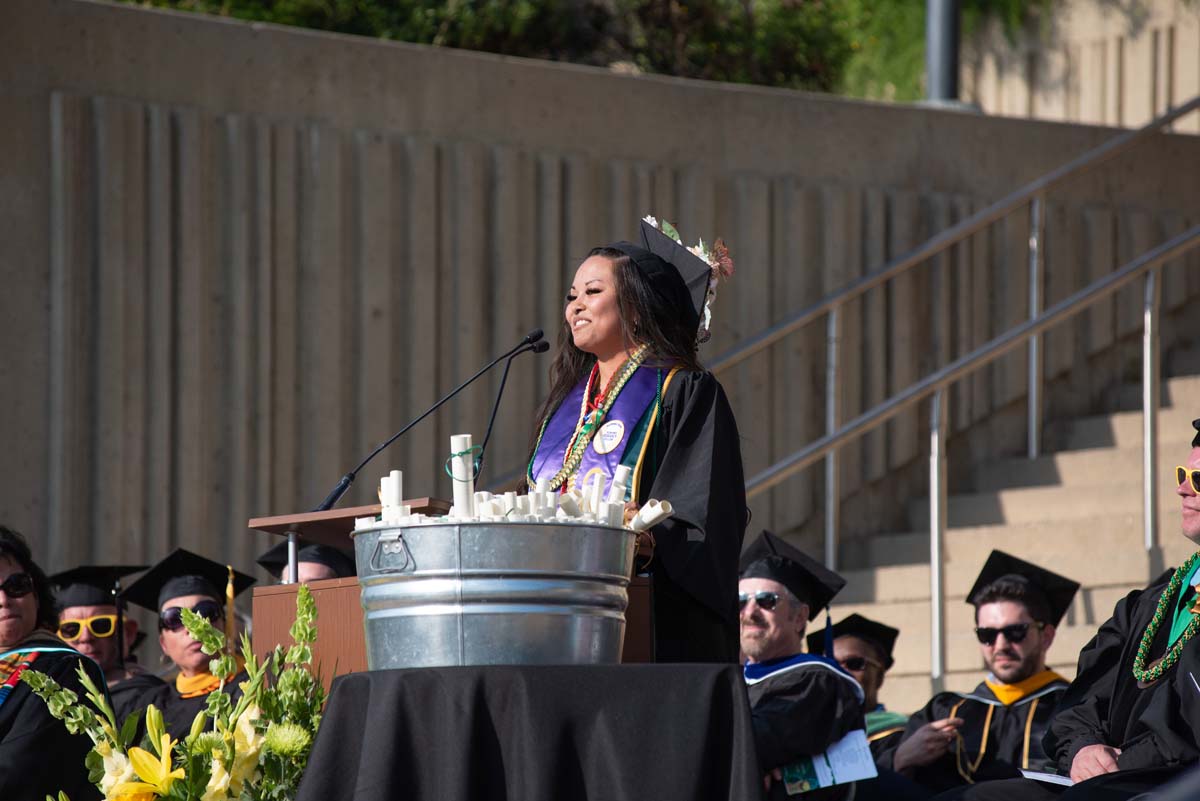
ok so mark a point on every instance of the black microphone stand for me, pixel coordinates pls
(541, 346)
(338, 491)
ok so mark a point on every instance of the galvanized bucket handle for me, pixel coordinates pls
(392, 543)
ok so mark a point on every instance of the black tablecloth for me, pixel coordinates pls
(653, 732)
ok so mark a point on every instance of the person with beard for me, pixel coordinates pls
(800, 704)
(38, 756)
(185, 580)
(93, 622)
(1130, 721)
(995, 730)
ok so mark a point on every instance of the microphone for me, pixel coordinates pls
(538, 346)
(530, 341)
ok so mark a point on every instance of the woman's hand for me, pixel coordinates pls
(927, 745)
(631, 510)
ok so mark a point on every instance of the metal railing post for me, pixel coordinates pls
(1037, 258)
(937, 528)
(832, 494)
(1151, 388)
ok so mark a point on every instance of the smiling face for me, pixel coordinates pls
(1012, 662)
(593, 312)
(179, 646)
(771, 633)
(18, 615)
(1190, 501)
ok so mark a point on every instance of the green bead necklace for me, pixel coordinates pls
(1153, 674)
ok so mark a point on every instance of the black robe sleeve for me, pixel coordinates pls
(802, 713)
(1082, 717)
(38, 756)
(699, 470)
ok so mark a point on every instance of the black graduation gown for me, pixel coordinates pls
(38, 756)
(128, 694)
(1155, 726)
(694, 460)
(1014, 741)
(800, 710)
(178, 713)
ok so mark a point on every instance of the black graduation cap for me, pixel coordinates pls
(1058, 590)
(184, 573)
(770, 557)
(274, 561)
(1196, 439)
(881, 636)
(91, 585)
(680, 275)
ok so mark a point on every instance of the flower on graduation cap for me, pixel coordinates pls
(717, 258)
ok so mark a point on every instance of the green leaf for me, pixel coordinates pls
(670, 231)
(129, 729)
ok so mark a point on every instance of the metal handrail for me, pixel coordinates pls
(980, 357)
(948, 238)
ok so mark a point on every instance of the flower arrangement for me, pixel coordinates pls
(252, 751)
(717, 258)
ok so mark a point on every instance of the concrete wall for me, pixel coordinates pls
(235, 257)
(1101, 62)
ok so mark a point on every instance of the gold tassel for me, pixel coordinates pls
(230, 619)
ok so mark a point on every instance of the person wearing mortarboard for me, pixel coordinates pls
(800, 703)
(181, 581)
(995, 731)
(627, 389)
(314, 562)
(1130, 721)
(864, 648)
(93, 622)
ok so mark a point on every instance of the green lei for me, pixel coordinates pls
(1149, 675)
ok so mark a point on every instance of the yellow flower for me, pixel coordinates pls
(218, 783)
(247, 743)
(117, 770)
(155, 773)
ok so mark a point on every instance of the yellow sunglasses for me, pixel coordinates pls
(98, 625)
(1183, 474)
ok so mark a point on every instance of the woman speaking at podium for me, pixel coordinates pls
(626, 389)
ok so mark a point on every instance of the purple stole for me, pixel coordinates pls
(610, 440)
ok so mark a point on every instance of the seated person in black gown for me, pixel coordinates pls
(1130, 720)
(800, 703)
(186, 581)
(863, 647)
(38, 756)
(314, 562)
(995, 730)
(627, 389)
(93, 622)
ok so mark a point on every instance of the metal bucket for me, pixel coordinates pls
(493, 593)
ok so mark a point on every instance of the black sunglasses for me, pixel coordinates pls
(857, 663)
(765, 600)
(18, 585)
(171, 618)
(1014, 633)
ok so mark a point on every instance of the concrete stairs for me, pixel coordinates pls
(1077, 510)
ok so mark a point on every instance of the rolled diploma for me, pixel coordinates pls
(568, 505)
(461, 468)
(650, 515)
(391, 488)
(620, 483)
(595, 493)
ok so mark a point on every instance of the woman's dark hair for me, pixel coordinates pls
(14, 547)
(647, 318)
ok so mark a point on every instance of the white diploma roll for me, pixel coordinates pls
(650, 515)
(391, 489)
(620, 483)
(462, 468)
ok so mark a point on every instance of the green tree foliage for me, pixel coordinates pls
(868, 48)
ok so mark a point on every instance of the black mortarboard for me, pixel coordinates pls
(770, 557)
(881, 636)
(274, 561)
(1196, 439)
(183, 573)
(1057, 590)
(678, 274)
(90, 585)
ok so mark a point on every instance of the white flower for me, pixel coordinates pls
(217, 788)
(650, 219)
(247, 743)
(117, 770)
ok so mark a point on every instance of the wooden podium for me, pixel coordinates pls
(340, 646)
